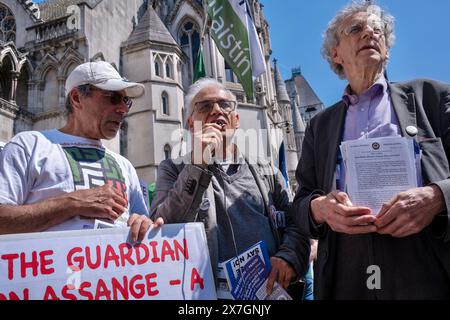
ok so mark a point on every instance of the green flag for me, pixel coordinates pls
(236, 38)
(199, 68)
(151, 190)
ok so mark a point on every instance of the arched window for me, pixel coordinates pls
(169, 70)
(6, 67)
(167, 151)
(165, 103)
(190, 44)
(157, 69)
(7, 24)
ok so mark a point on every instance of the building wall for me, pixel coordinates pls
(6, 125)
(109, 24)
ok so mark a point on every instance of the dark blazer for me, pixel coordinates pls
(422, 103)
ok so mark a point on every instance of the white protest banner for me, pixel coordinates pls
(172, 263)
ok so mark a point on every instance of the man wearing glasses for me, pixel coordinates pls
(231, 194)
(402, 251)
(64, 179)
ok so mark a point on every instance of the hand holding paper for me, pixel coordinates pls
(281, 272)
(248, 275)
(379, 168)
(410, 211)
(139, 225)
(337, 211)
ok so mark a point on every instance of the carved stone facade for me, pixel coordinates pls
(151, 42)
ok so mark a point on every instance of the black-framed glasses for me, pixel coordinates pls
(115, 97)
(206, 106)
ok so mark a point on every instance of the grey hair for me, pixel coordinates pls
(195, 88)
(331, 35)
(85, 91)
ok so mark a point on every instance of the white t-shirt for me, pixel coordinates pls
(35, 166)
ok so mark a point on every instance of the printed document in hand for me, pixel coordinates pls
(247, 275)
(378, 168)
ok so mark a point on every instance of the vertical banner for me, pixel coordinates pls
(235, 35)
(172, 263)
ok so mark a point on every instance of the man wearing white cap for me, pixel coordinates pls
(65, 179)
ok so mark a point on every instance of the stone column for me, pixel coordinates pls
(32, 95)
(61, 91)
(14, 79)
(40, 86)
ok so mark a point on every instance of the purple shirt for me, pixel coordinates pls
(371, 114)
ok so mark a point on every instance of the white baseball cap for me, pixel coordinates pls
(102, 75)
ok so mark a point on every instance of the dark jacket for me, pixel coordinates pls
(424, 104)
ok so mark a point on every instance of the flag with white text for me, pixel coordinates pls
(235, 36)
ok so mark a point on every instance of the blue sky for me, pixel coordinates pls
(421, 49)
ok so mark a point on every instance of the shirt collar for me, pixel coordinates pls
(238, 159)
(378, 87)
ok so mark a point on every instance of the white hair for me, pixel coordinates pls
(331, 35)
(195, 88)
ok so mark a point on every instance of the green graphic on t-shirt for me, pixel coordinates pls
(93, 167)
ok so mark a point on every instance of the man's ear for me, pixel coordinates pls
(237, 121)
(335, 56)
(74, 97)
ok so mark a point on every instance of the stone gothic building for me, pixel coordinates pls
(151, 42)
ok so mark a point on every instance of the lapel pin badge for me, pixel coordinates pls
(411, 131)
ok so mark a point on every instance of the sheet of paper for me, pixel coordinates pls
(377, 169)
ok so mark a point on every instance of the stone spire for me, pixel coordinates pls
(280, 86)
(151, 28)
(299, 128)
(297, 121)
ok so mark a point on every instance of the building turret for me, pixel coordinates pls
(286, 124)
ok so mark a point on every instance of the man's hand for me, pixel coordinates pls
(337, 211)
(207, 140)
(139, 225)
(281, 272)
(105, 202)
(409, 212)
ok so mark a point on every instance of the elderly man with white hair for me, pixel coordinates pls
(403, 251)
(236, 198)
